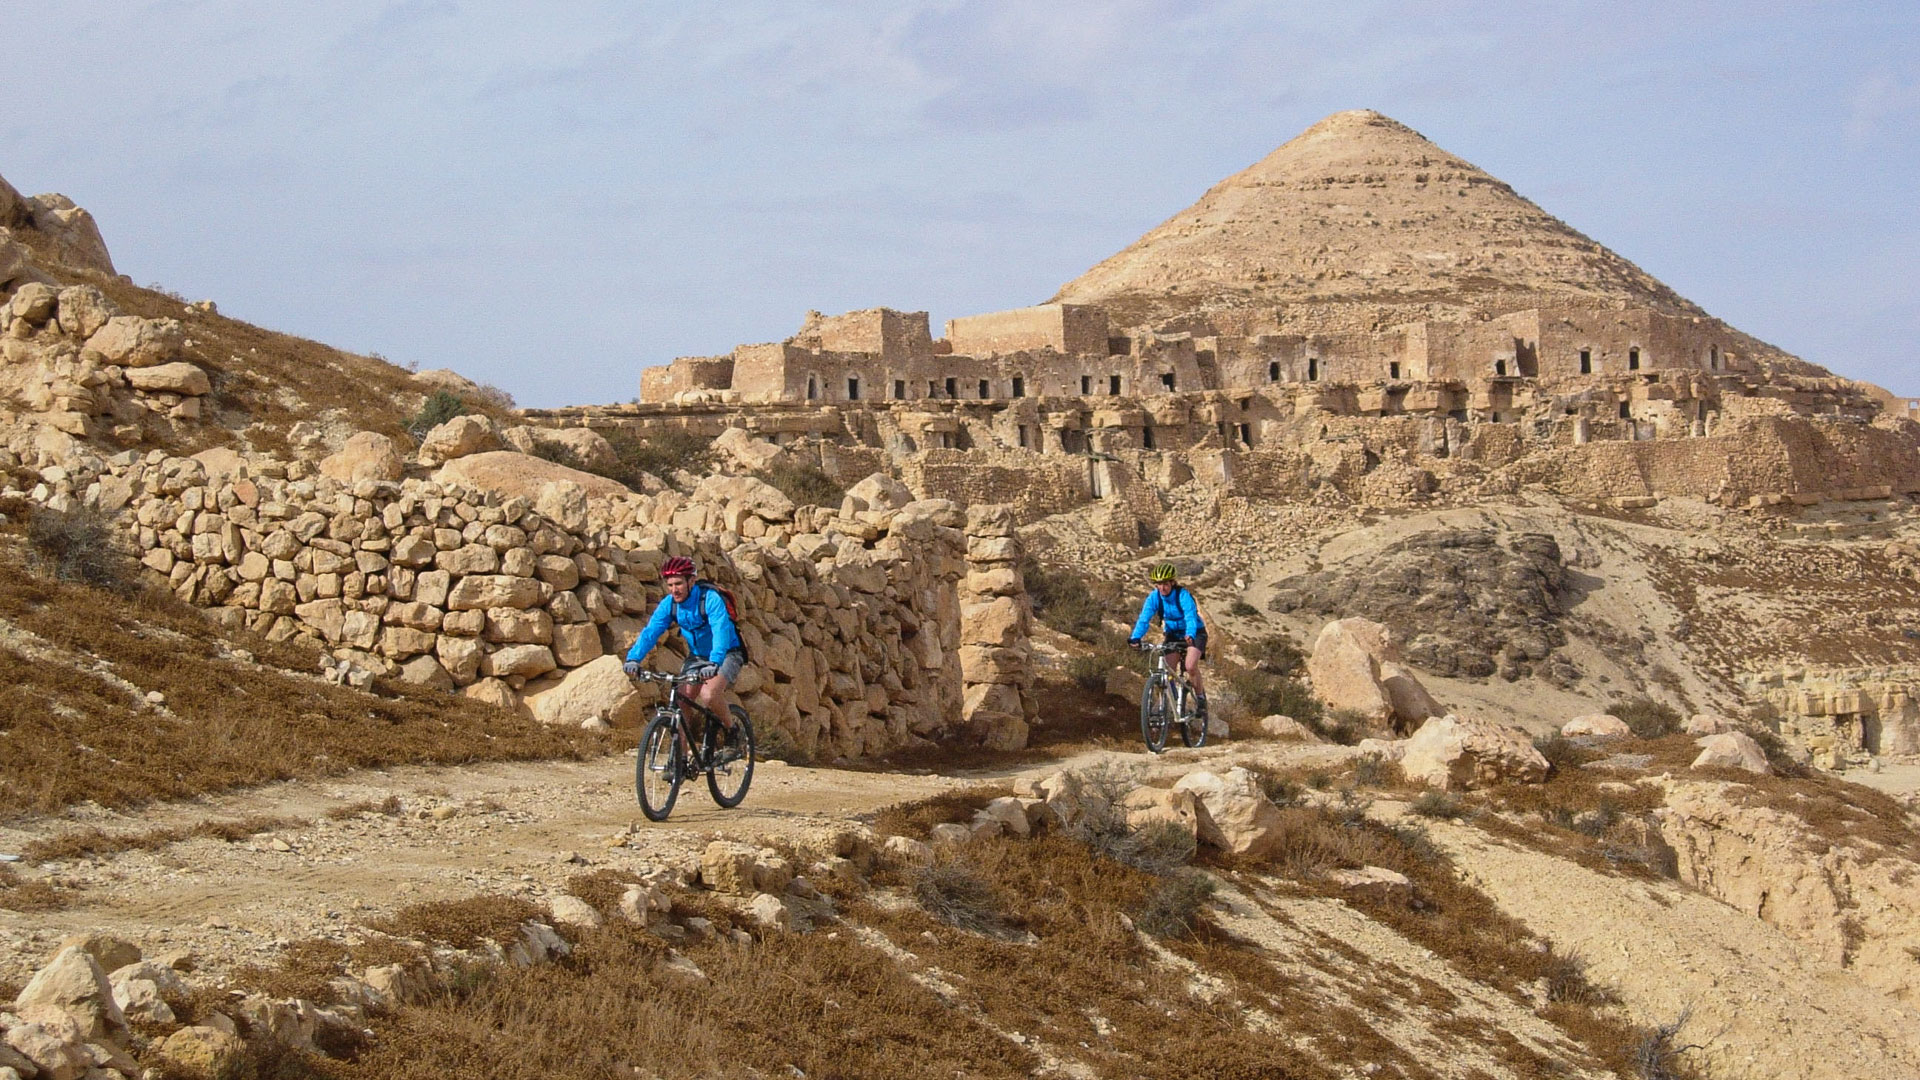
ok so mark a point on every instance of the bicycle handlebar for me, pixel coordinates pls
(668, 677)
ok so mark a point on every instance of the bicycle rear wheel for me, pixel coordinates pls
(1193, 728)
(656, 772)
(730, 758)
(1156, 712)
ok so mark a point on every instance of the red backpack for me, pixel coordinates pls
(733, 611)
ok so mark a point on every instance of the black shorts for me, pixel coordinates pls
(1197, 641)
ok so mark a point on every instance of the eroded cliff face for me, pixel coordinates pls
(1837, 872)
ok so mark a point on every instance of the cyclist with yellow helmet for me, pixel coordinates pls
(1179, 616)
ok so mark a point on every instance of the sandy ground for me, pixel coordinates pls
(521, 828)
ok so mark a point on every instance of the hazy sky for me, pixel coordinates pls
(551, 196)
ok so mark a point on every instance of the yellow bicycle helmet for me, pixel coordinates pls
(1163, 572)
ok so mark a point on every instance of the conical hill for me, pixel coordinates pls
(1358, 223)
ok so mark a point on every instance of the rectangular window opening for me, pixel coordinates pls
(1633, 359)
(1019, 386)
(1586, 361)
(953, 388)
(1273, 371)
(1246, 434)
(899, 389)
(1086, 384)
(1166, 380)
(1146, 437)
(1393, 370)
(1113, 384)
(853, 389)
(984, 392)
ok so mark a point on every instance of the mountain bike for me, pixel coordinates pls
(1168, 699)
(669, 752)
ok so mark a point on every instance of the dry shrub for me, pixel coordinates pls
(1648, 719)
(602, 888)
(793, 1004)
(917, 818)
(74, 736)
(806, 484)
(462, 924)
(1439, 805)
(440, 407)
(305, 970)
(955, 893)
(388, 806)
(1264, 694)
(1069, 601)
(660, 452)
(1173, 908)
(97, 843)
(81, 547)
(25, 895)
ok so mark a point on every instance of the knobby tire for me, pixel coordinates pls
(730, 757)
(657, 770)
(1193, 728)
(1156, 713)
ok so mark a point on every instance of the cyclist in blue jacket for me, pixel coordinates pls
(714, 649)
(1180, 620)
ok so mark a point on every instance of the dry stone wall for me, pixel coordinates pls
(853, 622)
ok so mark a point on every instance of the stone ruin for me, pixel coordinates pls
(900, 621)
(1842, 716)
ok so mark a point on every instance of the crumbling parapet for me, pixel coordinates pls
(996, 657)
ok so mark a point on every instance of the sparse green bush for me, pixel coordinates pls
(659, 452)
(79, 547)
(1068, 600)
(806, 484)
(1263, 694)
(1275, 654)
(1375, 771)
(1242, 609)
(440, 407)
(1649, 719)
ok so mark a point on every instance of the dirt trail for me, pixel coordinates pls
(520, 828)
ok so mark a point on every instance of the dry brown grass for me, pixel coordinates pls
(95, 843)
(72, 736)
(462, 924)
(29, 895)
(917, 818)
(254, 370)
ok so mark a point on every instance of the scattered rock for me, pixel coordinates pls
(1234, 814)
(1596, 726)
(1732, 750)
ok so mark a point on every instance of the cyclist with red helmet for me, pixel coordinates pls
(714, 649)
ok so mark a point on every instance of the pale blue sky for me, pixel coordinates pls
(550, 196)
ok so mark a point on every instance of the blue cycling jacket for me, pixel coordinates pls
(703, 621)
(1179, 616)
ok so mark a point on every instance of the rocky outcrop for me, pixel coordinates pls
(1354, 667)
(1850, 901)
(1732, 750)
(510, 474)
(458, 437)
(1470, 602)
(1235, 816)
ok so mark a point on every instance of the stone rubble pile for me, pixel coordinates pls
(71, 356)
(853, 621)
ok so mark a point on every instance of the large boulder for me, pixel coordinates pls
(1355, 668)
(74, 235)
(457, 438)
(83, 310)
(1596, 726)
(1234, 814)
(367, 455)
(510, 473)
(594, 692)
(1454, 753)
(589, 448)
(74, 984)
(1732, 750)
(763, 499)
(203, 1051)
(747, 452)
(133, 342)
(179, 377)
(879, 492)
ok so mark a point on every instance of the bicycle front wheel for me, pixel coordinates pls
(1193, 729)
(1156, 713)
(656, 773)
(730, 758)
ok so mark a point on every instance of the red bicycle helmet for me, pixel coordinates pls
(678, 566)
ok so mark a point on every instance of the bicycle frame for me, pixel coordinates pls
(1155, 719)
